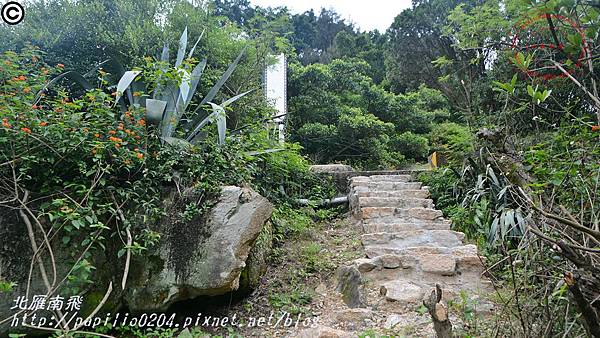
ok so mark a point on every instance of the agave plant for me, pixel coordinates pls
(169, 102)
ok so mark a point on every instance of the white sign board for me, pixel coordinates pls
(276, 91)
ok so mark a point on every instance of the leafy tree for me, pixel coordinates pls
(415, 41)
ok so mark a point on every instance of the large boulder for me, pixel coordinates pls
(204, 256)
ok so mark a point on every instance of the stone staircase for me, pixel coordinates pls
(408, 248)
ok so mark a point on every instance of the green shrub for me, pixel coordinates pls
(452, 139)
(412, 146)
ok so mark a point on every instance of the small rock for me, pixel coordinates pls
(392, 321)
(365, 264)
(401, 291)
(350, 285)
(390, 261)
(353, 315)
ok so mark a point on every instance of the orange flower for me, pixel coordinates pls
(26, 90)
(26, 130)
(138, 138)
(142, 122)
(60, 65)
(127, 162)
(97, 135)
(114, 94)
(140, 156)
(43, 123)
(117, 145)
(58, 110)
(595, 128)
(35, 106)
(136, 94)
(5, 123)
(112, 132)
(22, 78)
(121, 126)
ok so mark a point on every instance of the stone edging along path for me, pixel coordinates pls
(408, 249)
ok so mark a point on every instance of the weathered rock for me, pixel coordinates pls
(350, 286)
(201, 257)
(402, 291)
(365, 264)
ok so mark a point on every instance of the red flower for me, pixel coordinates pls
(43, 123)
(26, 130)
(595, 128)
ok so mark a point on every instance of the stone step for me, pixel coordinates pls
(383, 178)
(385, 186)
(430, 258)
(420, 193)
(401, 215)
(413, 238)
(401, 295)
(370, 227)
(396, 202)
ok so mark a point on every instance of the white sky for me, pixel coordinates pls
(366, 14)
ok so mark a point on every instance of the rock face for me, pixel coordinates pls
(201, 257)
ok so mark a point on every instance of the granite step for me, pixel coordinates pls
(413, 238)
(385, 186)
(419, 193)
(400, 215)
(383, 178)
(375, 226)
(396, 202)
